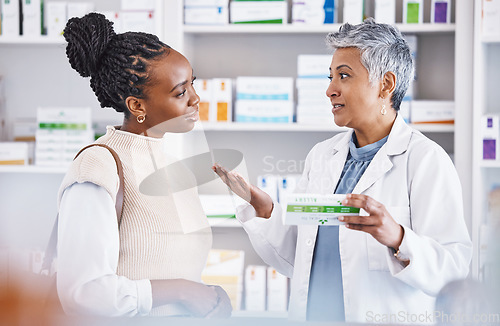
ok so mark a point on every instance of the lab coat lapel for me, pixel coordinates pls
(379, 166)
(397, 143)
(335, 163)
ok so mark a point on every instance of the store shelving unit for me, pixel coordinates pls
(266, 50)
(485, 174)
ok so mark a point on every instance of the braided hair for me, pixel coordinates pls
(117, 64)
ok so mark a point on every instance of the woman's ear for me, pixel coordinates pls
(388, 84)
(135, 106)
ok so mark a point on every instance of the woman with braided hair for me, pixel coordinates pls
(150, 262)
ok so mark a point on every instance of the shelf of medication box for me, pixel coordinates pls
(490, 164)
(259, 314)
(298, 127)
(304, 29)
(33, 169)
(32, 40)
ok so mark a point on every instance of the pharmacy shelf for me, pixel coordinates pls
(304, 29)
(297, 127)
(490, 164)
(33, 169)
(32, 40)
(491, 39)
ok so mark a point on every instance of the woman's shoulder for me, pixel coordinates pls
(330, 143)
(96, 165)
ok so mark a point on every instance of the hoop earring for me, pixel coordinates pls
(384, 110)
(141, 118)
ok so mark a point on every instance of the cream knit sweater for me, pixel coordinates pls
(164, 233)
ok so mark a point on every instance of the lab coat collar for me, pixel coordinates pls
(397, 142)
(399, 137)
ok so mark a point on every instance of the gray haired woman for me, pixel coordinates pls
(388, 264)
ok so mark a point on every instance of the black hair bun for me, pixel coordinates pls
(88, 38)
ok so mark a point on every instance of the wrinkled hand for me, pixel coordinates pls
(379, 223)
(199, 299)
(261, 202)
(223, 308)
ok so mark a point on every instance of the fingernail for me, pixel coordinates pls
(345, 201)
(341, 218)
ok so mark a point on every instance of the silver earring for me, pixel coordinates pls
(141, 118)
(383, 111)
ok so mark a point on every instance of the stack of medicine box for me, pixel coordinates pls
(260, 12)
(313, 106)
(264, 99)
(206, 12)
(225, 268)
(61, 133)
(137, 16)
(314, 12)
(353, 11)
(216, 98)
(265, 289)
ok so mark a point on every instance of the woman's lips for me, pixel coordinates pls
(337, 107)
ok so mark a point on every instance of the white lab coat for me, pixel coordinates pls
(417, 182)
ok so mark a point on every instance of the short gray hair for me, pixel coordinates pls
(382, 49)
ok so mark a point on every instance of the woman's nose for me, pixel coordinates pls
(331, 91)
(195, 99)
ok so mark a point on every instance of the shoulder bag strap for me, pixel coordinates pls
(50, 252)
(119, 167)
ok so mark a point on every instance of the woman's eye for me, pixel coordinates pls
(192, 80)
(181, 94)
(342, 75)
(330, 77)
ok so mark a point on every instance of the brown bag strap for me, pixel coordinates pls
(119, 168)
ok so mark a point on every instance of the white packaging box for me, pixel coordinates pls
(314, 12)
(14, 153)
(264, 99)
(225, 268)
(385, 11)
(32, 18)
(275, 12)
(316, 209)
(491, 18)
(10, 18)
(255, 288)
(61, 133)
(277, 291)
(490, 136)
(79, 9)
(441, 11)
(432, 112)
(286, 186)
(413, 11)
(210, 15)
(138, 21)
(265, 111)
(353, 11)
(220, 206)
(114, 16)
(140, 5)
(56, 12)
(313, 106)
(222, 100)
(269, 184)
(313, 66)
(204, 90)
